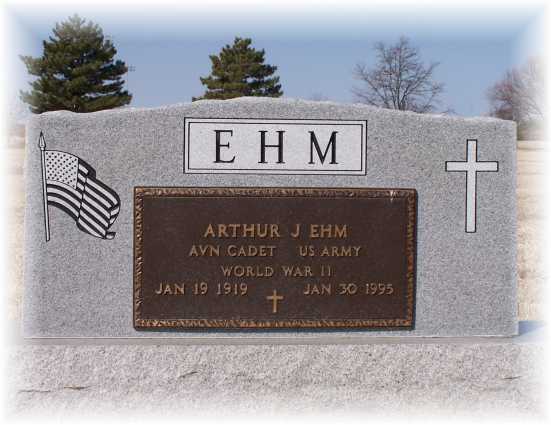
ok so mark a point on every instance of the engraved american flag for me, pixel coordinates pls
(71, 185)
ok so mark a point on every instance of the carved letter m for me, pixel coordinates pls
(331, 144)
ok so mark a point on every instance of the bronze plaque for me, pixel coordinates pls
(274, 258)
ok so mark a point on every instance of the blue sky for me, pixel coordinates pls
(315, 49)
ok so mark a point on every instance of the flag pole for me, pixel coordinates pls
(42, 146)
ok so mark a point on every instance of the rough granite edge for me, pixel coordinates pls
(483, 381)
(280, 101)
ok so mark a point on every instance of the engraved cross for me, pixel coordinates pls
(471, 167)
(274, 298)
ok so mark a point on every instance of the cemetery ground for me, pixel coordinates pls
(512, 383)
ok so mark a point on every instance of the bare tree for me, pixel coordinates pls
(399, 80)
(519, 96)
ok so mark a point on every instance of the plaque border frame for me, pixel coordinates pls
(141, 323)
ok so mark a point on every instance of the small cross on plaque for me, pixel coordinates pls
(274, 298)
(471, 167)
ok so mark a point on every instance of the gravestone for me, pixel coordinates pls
(239, 218)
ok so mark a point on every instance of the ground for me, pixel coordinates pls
(532, 158)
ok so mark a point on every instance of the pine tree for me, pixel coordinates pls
(76, 72)
(239, 70)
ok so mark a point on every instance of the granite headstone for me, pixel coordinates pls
(121, 204)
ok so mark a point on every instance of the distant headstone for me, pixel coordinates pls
(262, 214)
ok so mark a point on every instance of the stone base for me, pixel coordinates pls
(474, 377)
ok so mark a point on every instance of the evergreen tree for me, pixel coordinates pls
(76, 72)
(239, 70)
